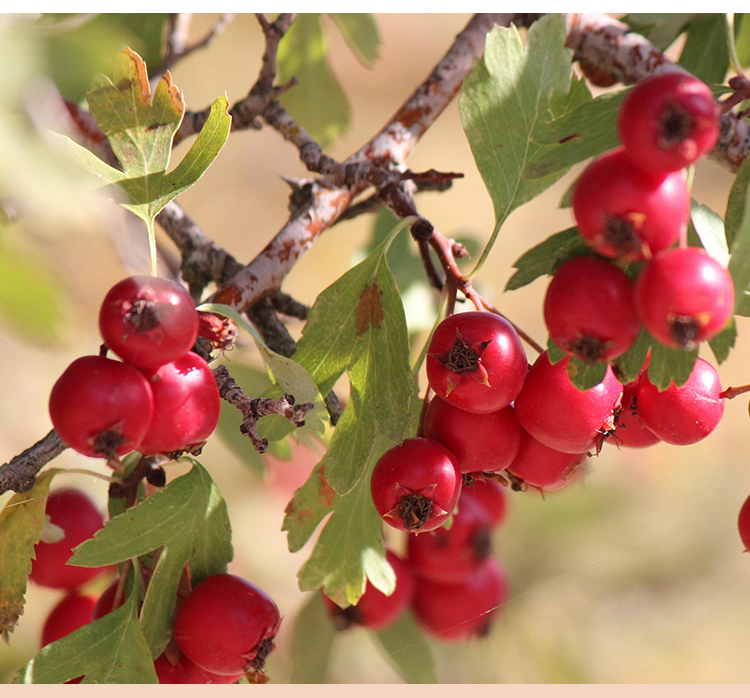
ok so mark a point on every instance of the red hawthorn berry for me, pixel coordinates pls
(683, 297)
(148, 321)
(541, 466)
(668, 121)
(490, 495)
(683, 415)
(73, 612)
(227, 625)
(100, 407)
(589, 310)
(186, 405)
(480, 442)
(629, 429)
(743, 523)
(79, 518)
(476, 362)
(375, 610)
(560, 415)
(454, 612)
(628, 213)
(452, 555)
(415, 486)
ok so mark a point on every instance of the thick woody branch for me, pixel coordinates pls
(614, 49)
(253, 409)
(20, 473)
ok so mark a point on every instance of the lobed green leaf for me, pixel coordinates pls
(705, 53)
(667, 366)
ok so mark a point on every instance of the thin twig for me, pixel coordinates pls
(20, 473)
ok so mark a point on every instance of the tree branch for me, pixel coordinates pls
(20, 473)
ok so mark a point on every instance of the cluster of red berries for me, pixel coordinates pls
(449, 577)
(632, 204)
(224, 628)
(161, 398)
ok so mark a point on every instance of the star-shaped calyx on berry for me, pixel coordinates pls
(464, 359)
(415, 507)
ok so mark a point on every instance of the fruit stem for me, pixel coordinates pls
(423, 411)
(525, 337)
(83, 471)
(732, 44)
(730, 392)
(152, 246)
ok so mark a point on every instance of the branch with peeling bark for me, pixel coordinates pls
(253, 409)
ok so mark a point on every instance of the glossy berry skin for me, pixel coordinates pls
(100, 407)
(589, 310)
(73, 612)
(415, 486)
(743, 523)
(187, 672)
(148, 321)
(630, 430)
(490, 496)
(75, 513)
(480, 442)
(541, 466)
(628, 213)
(668, 121)
(683, 297)
(452, 555)
(476, 362)
(683, 415)
(559, 415)
(227, 625)
(375, 610)
(454, 612)
(186, 405)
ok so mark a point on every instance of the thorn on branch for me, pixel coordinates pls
(253, 409)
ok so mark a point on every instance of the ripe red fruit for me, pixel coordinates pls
(452, 612)
(79, 518)
(683, 415)
(541, 466)
(186, 405)
(490, 496)
(589, 310)
(630, 430)
(148, 321)
(562, 417)
(187, 672)
(375, 610)
(480, 442)
(101, 407)
(227, 625)
(628, 213)
(683, 297)
(415, 486)
(452, 555)
(476, 362)
(743, 524)
(73, 612)
(668, 121)
(106, 602)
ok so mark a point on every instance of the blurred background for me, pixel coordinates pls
(635, 573)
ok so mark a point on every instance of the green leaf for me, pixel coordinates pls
(91, 42)
(188, 518)
(743, 38)
(360, 31)
(109, 650)
(584, 376)
(140, 130)
(585, 132)
(21, 522)
(350, 547)
(629, 366)
(407, 650)
(505, 100)
(739, 263)
(705, 54)
(737, 198)
(316, 103)
(358, 325)
(547, 257)
(554, 353)
(288, 373)
(668, 366)
(723, 342)
(710, 229)
(660, 28)
(310, 505)
(312, 641)
(30, 298)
